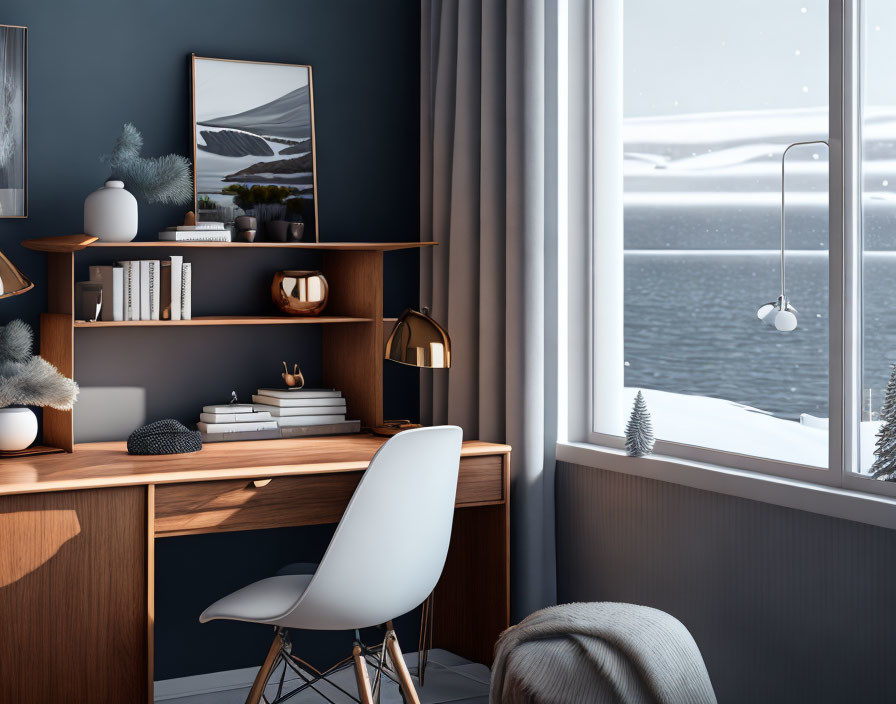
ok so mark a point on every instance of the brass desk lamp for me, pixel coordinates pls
(416, 341)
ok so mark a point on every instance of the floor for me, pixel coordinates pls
(449, 678)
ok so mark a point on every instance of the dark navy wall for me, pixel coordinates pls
(96, 65)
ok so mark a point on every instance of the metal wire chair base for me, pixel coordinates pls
(375, 657)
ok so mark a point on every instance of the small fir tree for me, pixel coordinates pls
(884, 466)
(639, 431)
(889, 406)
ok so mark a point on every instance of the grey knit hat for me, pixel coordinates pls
(164, 437)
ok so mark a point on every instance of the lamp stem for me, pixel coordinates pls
(783, 209)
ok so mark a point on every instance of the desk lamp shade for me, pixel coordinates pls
(12, 281)
(419, 341)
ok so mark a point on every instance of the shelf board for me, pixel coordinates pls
(224, 320)
(74, 243)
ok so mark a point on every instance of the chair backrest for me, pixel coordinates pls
(390, 546)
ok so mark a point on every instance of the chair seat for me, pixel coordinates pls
(265, 601)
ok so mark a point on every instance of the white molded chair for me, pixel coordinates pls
(407, 496)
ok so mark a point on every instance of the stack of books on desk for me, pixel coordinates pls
(228, 422)
(200, 232)
(303, 412)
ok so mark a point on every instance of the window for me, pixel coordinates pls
(694, 107)
(713, 94)
(878, 211)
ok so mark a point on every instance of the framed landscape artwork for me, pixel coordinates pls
(253, 143)
(13, 123)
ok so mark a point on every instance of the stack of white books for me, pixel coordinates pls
(236, 422)
(303, 412)
(200, 232)
(148, 289)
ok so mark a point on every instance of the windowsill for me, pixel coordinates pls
(831, 501)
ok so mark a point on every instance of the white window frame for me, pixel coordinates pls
(590, 172)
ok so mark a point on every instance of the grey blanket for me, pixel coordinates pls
(600, 653)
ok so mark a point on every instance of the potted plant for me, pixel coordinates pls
(27, 380)
(265, 203)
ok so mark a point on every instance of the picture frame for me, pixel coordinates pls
(13, 121)
(254, 144)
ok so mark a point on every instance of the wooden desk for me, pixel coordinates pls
(77, 535)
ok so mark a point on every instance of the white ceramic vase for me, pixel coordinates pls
(110, 213)
(18, 428)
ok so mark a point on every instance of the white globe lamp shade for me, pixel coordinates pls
(785, 321)
(766, 313)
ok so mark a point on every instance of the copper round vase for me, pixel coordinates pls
(299, 292)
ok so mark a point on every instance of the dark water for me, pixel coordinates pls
(691, 327)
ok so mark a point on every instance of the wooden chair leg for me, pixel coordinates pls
(364, 692)
(261, 679)
(401, 668)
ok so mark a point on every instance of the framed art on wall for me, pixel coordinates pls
(253, 144)
(13, 123)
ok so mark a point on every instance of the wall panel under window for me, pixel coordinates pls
(786, 606)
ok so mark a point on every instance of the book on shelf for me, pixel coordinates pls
(234, 417)
(201, 235)
(228, 408)
(155, 289)
(295, 402)
(343, 427)
(150, 283)
(235, 427)
(284, 421)
(112, 281)
(165, 290)
(177, 274)
(186, 293)
(204, 225)
(144, 289)
(131, 287)
(300, 393)
(278, 412)
(238, 435)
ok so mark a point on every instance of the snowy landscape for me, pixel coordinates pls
(702, 240)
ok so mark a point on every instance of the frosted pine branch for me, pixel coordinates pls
(27, 380)
(16, 340)
(165, 179)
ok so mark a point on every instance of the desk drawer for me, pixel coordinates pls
(481, 479)
(237, 504)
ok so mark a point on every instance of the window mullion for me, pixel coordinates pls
(845, 233)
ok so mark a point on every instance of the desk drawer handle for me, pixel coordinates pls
(259, 483)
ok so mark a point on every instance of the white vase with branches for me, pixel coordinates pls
(27, 380)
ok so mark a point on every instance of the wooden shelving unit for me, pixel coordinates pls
(223, 320)
(74, 243)
(353, 330)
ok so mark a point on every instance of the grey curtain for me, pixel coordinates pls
(483, 196)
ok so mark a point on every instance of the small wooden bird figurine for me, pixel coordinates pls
(295, 379)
